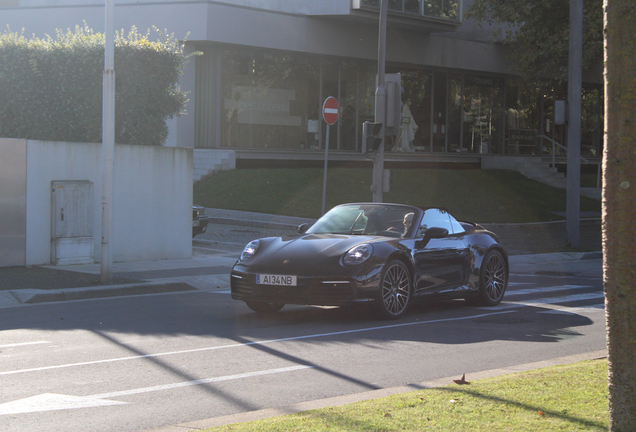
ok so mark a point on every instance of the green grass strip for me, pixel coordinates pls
(560, 398)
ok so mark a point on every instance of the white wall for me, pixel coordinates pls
(152, 204)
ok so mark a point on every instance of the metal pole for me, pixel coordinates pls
(573, 208)
(380, 104)
(324, 176)
(108, 143)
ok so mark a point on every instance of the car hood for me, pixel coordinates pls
(306, 250)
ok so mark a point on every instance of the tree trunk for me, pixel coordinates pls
(619, 210)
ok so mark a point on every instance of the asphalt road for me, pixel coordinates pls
(137, 363)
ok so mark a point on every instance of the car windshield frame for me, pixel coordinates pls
(366, 219)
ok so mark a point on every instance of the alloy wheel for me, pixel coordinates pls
(396, 290)
(494, 277)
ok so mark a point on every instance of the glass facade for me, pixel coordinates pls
(273, 100)
(445, 9)
(266, 98)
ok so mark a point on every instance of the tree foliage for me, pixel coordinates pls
(537, 32)
(51, 88)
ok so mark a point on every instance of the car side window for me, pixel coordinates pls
(457, 227)
(434, 218)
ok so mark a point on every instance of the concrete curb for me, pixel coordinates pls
(369, 395)
(583, 222)
(253, 223)
(33, 296)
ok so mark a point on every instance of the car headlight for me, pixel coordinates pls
(358, 254)
(250, 249)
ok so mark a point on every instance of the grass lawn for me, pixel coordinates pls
(482, 196)
(560, 398)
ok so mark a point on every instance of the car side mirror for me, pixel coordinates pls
(436, 232)
(302, 228)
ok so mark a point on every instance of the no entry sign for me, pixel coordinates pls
(330, 111)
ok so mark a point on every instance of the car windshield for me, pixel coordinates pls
(367, 219)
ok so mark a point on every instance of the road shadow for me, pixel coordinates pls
(216, 315)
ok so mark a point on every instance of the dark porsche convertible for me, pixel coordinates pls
(388, 254)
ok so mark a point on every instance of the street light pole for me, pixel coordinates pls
(108, 143)
(575, 72)
(380, 104)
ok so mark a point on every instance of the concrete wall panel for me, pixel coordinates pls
(152, 205)
(12, 202)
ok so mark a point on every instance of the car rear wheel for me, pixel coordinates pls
(264, 307)
(395, 290)
(493, 279)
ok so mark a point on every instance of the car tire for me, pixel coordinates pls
(395, 290)
(493, 280)
(264, 307)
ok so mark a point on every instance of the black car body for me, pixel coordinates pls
(368, 252)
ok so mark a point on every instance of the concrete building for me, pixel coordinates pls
(266, 66)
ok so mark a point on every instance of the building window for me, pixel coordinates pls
(592, 121)
(483, 120)
(416, 113)
(267, 99)
(522, 125)
(445, 9)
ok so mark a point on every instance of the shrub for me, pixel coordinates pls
(51, 88)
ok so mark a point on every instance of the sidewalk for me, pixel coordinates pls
(210, 270)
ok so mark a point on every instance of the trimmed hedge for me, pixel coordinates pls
(51, 88)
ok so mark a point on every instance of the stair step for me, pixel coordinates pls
(208, 161)
(542, 172)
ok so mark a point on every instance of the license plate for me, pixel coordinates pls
(268, 279)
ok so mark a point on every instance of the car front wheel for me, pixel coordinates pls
(395, 290)
(264, 307)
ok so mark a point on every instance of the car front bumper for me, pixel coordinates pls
(199, 226)
(309, 290)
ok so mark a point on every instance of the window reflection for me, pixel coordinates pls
(415, 129)
(447, 9)
(482, 114)
(521, 119)
(592, 122)
(265, 98)
(439, 112)
(454, 112)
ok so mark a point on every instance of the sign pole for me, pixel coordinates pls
(330, 113)
(575, 76)
(324, 176)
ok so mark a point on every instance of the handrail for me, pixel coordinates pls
(560, 145)
(598, 174)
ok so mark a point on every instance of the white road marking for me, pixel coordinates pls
(53, 402)
(547, 301)
(575, 310)
(264, 342)
(555, 276)
(23, 344)
(541, 290)
(197, 382)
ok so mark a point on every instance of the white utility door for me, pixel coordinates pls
(71, 222)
